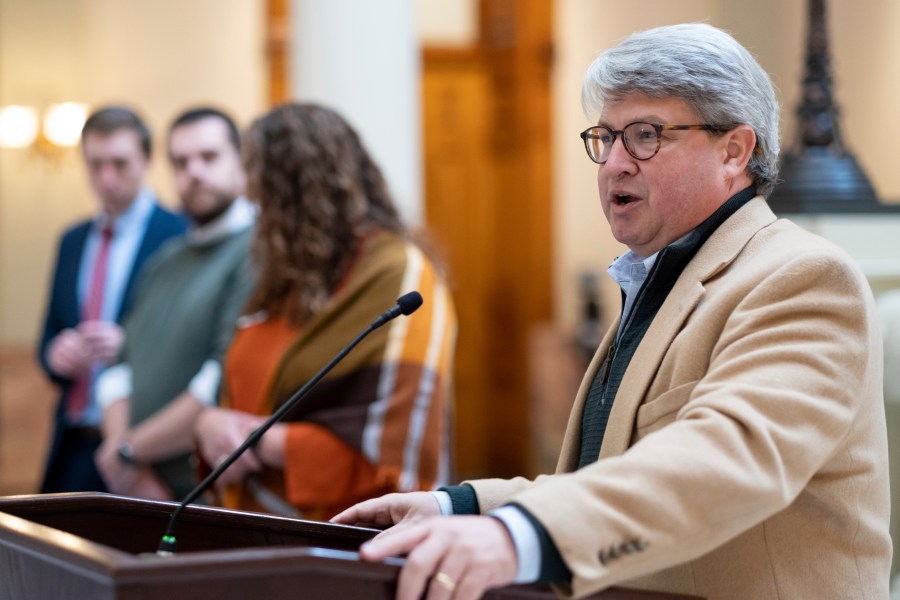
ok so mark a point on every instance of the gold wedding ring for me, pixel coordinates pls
(445, 581)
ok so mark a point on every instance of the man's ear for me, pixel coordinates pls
(739, 144)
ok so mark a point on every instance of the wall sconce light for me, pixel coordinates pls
(21, 127)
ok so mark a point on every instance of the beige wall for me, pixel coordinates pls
(444, 23)
(164, 55)
(159, 56)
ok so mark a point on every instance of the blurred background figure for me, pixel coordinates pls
(96, 267)
(184, 315)
(332, 254)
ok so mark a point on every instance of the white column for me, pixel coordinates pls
(361, 58)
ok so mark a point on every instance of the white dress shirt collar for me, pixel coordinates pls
(134, 216)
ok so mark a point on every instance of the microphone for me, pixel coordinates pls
(406, 305)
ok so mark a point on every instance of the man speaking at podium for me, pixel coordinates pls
(728, 440)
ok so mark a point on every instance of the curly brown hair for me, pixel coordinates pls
(319, 192)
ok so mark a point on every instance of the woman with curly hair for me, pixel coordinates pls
(332, 254)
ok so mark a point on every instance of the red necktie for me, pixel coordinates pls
(93, 308)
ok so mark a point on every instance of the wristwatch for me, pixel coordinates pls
(126, 453)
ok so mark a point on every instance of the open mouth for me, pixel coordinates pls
(623, 199)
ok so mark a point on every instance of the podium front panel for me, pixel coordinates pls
(101, 546)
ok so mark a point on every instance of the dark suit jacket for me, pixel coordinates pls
(63, 310)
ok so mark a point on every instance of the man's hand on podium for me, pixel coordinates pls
(457, 557)
(390, 510)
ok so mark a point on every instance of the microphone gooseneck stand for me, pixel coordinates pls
(406, 305)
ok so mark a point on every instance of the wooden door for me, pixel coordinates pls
(487, 202)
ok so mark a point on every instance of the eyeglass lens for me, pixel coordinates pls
(641, 141)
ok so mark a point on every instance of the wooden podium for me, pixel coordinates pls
(90, 546)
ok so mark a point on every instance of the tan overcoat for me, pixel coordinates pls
(746, 452)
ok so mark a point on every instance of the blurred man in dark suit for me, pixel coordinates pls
(96, 267)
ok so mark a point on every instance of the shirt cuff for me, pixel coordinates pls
(204, 386)
(525, 540)
(113, 384)
(463, 497)
(444, 501)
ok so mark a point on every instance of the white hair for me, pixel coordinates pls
(702, 65)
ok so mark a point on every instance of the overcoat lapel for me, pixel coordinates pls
(718, 252)
(681, 302)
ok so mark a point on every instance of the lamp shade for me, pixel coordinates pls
(821, 180)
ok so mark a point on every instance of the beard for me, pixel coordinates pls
(204, 205)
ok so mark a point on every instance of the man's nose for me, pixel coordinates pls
(195, 168)
(618, 157)
(109, 175)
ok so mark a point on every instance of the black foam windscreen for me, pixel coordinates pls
(409, 303)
